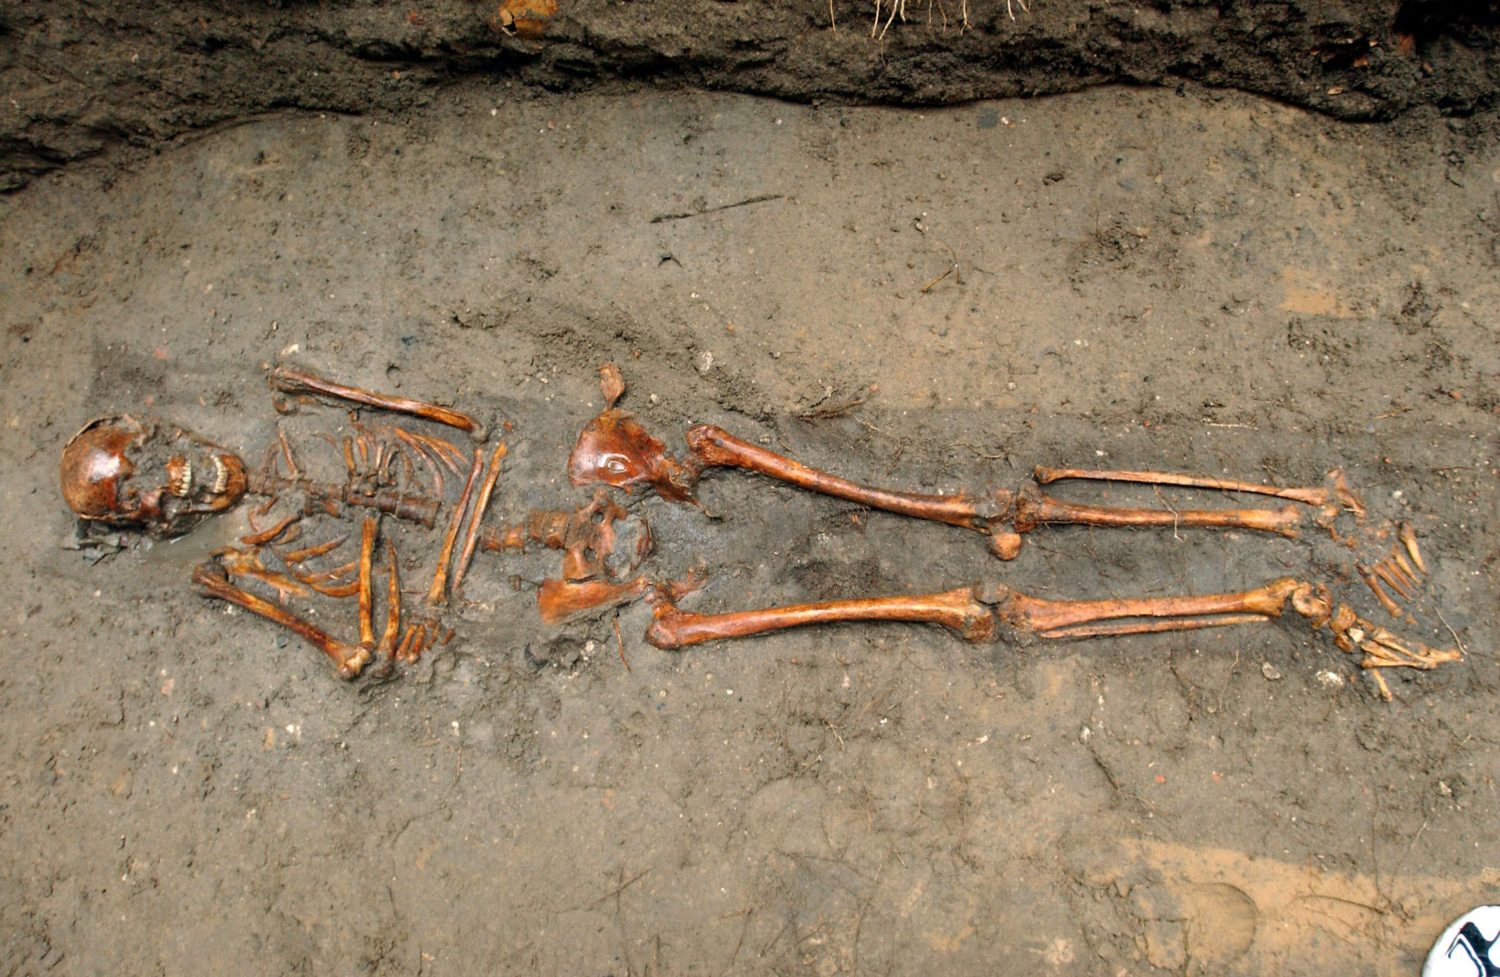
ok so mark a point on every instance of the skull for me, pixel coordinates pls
(142, 474)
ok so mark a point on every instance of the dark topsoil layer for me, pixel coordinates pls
(83, 77)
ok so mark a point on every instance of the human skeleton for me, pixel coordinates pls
(154, 477)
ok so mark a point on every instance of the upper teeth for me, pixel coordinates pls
(182, 480)
(221, 475)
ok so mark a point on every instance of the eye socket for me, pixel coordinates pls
(615, 465)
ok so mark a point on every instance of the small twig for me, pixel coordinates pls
(624, 885)
(763, 198)
(1456, 639)
(952, 270)
(985, 455)
(928, 287)
(821, 413)
(833, 20)
(1175, 517)
(619, 641)
(835, 731)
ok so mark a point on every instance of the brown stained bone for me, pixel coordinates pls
(420, 509)
(587, 536)
(1393, 580)
(435, 593)
(273, 533)
(1309, 496)
(1373, 582)
(1055, 618)
(138, 473)
(1033, 509)
(290, 380)
(367, 582)
(957, 610)
(308, 552)
(1408, 538)
(557, 600)
(1399, 564)
(349, 660)
(247, 563)
(611, 384)
(977, 614)
(471, 539)
(614, 449)
(713, 447)
(999, 613)
(387, 646)
(1002, 518)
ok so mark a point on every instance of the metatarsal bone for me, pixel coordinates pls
(1409, 540)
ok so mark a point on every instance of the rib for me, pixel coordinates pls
(292, 470)
(267, 535)
(429, 458)
(307, 553)
(446, 451)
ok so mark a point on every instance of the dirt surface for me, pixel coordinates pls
(83, 77)
(1135, 278)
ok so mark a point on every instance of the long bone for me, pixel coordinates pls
(348, 659)
(982, 614)
(614, 449)
(998, 613)
(291, 380)
(1004, 518)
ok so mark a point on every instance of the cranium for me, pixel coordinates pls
(143, 474)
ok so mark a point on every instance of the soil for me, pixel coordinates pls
(931, 298)
(81, 78)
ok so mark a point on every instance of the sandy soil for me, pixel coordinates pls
(1142, 278)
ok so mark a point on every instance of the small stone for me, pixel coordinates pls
(1330, 680)
(1271, 672)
